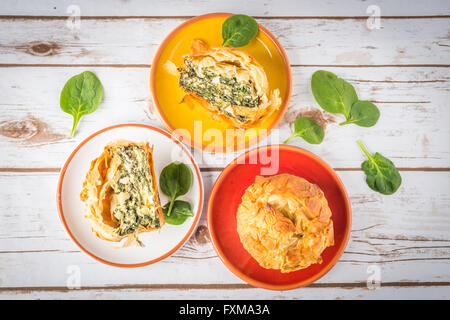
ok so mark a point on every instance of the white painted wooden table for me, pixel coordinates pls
(403, 67)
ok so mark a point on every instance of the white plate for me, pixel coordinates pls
(158, 244)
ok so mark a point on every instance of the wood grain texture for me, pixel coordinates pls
(405, 235)
(289, 8)
(402, 67)
(412, 130)
(235, 292)
(307, 41)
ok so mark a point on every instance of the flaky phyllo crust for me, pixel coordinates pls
(233, 64)
(284, 222)
(100, 198)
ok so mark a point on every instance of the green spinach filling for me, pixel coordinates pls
(133, 189)
(217, 89)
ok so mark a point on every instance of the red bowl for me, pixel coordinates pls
(226, 196)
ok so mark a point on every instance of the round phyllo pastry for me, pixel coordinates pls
(284, 222)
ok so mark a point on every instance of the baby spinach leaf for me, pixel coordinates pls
(332, 93)
(381, 173)
(81, 95)
(181, 210)
(175, 180)
(239, 30)
(363, 113)
(308, 129)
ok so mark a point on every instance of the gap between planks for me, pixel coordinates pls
(214, 169)
(28, 17)
(231, 286)
(148, 66)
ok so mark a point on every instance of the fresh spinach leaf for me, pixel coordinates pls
(175, 180)
(239, 30)
(181, 210)
(81, 95)
(332, 93)
(308, 129)
(381, 173)
(363, 113)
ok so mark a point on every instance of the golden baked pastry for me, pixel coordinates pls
(230, 83)
(284, 222)
(121, 193)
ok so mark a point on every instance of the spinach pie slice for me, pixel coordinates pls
(228, 82)
(121, 193)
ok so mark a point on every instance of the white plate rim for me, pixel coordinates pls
(176, 247)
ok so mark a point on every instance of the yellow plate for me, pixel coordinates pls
(193, 123)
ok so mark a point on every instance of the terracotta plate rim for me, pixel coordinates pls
(262, 284)
(238, 147)
(141, 264)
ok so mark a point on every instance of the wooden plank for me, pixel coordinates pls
(406, 235)
(412, 130)
(312, 41)
(233, 292)
(303, 8)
